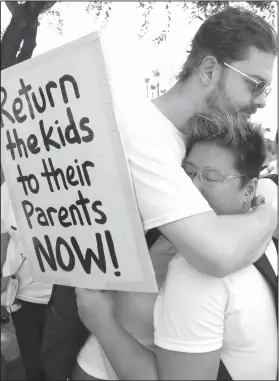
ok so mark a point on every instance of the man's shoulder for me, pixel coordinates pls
(147, 132)
(132, 107)
(138, 115)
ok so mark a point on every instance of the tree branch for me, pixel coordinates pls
(48, 5)
(35, 8)
(16, 9)
(29, 43)
(11, 41)
(24, 18)
(13, 7)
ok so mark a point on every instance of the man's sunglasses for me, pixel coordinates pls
(259, 86)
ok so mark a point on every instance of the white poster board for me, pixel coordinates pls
(67, 173)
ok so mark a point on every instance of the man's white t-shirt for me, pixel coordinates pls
(196, 313)
(28, 290)
(155, 149)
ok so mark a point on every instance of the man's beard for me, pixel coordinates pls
(220, 101)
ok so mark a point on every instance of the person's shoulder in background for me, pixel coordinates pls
(271, 168)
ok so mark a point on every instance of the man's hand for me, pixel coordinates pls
(95, 307)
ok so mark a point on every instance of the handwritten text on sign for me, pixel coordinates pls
(67, 174)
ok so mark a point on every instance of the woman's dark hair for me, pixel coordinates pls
(244, 138)
(227, 36)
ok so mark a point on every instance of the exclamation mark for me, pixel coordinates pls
(112, 252)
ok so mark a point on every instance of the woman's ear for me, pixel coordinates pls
(251, 189)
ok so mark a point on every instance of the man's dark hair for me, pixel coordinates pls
(244, 138)
(227, 35)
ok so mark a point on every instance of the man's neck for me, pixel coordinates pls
(180, 103)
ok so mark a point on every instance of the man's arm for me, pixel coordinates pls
(187, 366)
(129, 359)
(168, 199)
(220, 245)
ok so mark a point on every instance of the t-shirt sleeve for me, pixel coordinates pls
(164, 192)
(7, 213)
(190, 310)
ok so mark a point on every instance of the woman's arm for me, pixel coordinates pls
(187, 366)
(129, 359)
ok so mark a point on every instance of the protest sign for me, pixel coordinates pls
(67, 173)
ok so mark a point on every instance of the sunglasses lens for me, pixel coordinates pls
(267, 90)
(262, 87)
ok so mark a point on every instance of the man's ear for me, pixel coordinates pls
(209, 68)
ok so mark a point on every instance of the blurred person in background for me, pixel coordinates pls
(28, 311)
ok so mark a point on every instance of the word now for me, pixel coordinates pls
(85, 260)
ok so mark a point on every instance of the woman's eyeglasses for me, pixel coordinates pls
(209, 175)
(259, 86)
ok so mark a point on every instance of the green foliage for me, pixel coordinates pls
(146, 8)
(101, 10)
(201, 10)
(56, 19)
(205, 9)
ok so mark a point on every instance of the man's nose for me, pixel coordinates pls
(260, 100)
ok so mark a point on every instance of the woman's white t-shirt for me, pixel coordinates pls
(196, 313)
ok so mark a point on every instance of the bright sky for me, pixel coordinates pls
(134, 59)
